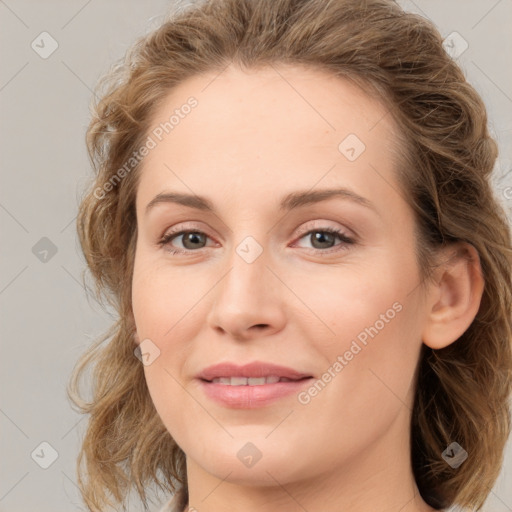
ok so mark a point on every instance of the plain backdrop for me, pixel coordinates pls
(46, 318)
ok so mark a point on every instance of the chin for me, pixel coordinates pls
(247, 466)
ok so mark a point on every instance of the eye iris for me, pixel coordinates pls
(320, 236)
(192, 236)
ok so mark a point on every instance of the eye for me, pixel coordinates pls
(324, 238)
(192, 239)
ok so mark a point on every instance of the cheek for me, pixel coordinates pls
(161, 297)
(373, 325)
(162, 308)
(347, 300)
(368, 378)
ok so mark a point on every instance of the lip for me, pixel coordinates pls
(251, 397)
(254, 369)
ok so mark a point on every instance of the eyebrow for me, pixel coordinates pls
(289, 202)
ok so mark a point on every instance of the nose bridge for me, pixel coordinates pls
(245, 297)
(247, 274)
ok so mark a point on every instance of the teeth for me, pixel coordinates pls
(249, 381)
(256, 381)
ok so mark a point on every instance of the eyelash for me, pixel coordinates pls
(346, 241)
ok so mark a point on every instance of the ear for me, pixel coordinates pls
(455, 296)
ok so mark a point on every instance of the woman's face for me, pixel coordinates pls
(262, 281)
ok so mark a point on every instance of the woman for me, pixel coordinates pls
(340, 339)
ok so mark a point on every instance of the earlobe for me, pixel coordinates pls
(455, 298)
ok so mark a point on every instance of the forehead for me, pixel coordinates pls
(267, 128)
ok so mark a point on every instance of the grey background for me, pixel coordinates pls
(46, 318)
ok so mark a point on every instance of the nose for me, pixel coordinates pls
(248, 300)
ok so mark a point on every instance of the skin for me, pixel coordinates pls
(254, 137)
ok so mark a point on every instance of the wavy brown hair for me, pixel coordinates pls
(462, 391)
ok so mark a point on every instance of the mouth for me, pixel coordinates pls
(251, 386)
(251, 381)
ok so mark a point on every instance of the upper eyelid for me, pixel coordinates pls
(305, 227)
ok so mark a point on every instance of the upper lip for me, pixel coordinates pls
(254, 369)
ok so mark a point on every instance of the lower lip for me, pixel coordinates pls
(252, 397)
